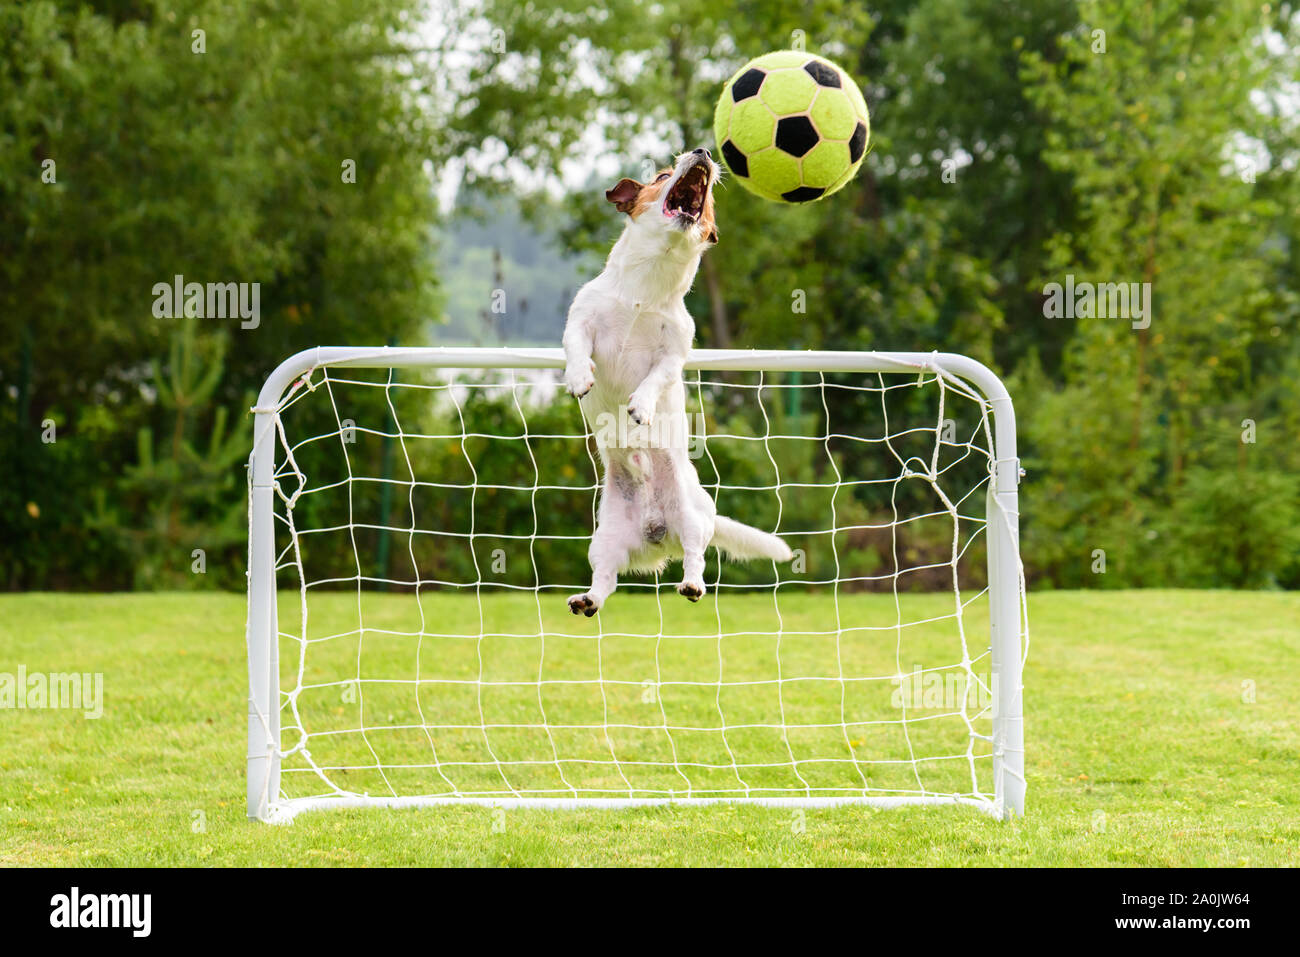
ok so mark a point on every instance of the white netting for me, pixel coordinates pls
(429, 525)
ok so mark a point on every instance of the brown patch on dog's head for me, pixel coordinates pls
(633, 198)
(623, 194)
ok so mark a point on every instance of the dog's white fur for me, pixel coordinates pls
(625, 343)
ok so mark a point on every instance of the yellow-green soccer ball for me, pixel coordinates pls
(792, 126)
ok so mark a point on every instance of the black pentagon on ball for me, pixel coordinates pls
(823, 74)
(796, 135)
(747, 85)
(857, 143)
(804, 194)
(737, 162)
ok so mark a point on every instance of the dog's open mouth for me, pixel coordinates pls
(686, 199)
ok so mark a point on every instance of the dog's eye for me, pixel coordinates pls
(661, 177)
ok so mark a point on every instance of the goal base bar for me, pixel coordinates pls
(285, 811)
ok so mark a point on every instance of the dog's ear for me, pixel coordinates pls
(712, 237)
(624, 195)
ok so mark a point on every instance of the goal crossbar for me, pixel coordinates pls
(1008, 627)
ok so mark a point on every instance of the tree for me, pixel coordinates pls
(1144, 116)
(229, 143)
(181, 494)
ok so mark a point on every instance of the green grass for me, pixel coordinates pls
(1141, 747)
(630, 703)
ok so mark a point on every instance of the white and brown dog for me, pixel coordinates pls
(626, 340)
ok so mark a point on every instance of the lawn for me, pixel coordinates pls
(1162, 729)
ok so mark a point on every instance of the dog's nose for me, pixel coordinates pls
(701, 151)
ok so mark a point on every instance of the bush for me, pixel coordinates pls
(1235, 529)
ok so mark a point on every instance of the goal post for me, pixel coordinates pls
(883, 667)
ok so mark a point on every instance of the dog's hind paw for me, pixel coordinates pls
(692, 591)
(584, 604)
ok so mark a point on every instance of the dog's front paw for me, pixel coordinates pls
(692, 591)
(639, 410)
(584, 604)
(579, 379)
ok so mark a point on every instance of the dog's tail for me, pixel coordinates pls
(743, 542)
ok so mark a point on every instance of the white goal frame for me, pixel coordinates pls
(1007, 617)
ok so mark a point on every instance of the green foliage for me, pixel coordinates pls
(46, 500)
(959, 135)
(183, 494)
(128, 156)
(1260, 509)
(1126, 443)
(1010, 148)
(1013, 145)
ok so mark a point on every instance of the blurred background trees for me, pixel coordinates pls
(134, 149)
(1013, 143)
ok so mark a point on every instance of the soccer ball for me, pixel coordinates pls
(792, 126)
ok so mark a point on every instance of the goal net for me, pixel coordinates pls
(419, 516)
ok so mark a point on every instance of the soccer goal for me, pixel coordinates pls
(418, 516)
